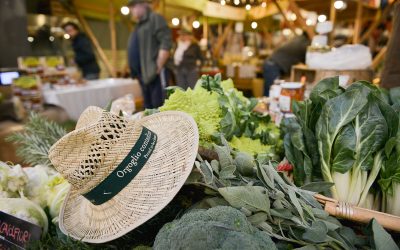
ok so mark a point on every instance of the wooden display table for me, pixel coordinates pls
(313, 76)
(7, 149)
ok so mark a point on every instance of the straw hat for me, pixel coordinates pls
(122, 172)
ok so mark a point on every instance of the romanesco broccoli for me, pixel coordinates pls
(248, 145)
(219, 228)
(203, 106)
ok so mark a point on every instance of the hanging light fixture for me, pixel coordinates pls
(340, 5)
(254, 25)
(248, 7)
(124, 10)
(175, 21)
(322, 18)
(196, 24)
(223, 2)
(264, 4)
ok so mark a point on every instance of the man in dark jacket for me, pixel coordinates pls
(148, 51)
(84, 55)
(282, 60)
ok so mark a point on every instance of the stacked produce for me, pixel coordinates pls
(27, 192)
(239, 199)
(218, 108)
(289, 215)
(27, 89)
(347, 137)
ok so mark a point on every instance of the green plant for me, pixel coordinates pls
(220, 227)
(34, 143)
(350, 128)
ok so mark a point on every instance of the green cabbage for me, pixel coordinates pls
(25, 210)
(56, 189)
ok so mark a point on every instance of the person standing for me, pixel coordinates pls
(282, 60)
(187, 59)
(84, 55)
(148, 51)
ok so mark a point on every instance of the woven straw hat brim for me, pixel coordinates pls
(148, 193)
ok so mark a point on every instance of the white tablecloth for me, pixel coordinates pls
(75, 99)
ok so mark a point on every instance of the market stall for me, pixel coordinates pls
(75, 99)
(313, 165)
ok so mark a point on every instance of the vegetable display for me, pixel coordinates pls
(25, 210)
(351, 128)
(239, 198)
(221, 227)
(291, 216)
(26, 192)
(218, 108)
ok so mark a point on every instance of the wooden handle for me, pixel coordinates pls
(362, 215)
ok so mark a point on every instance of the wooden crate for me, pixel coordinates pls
(313, 76)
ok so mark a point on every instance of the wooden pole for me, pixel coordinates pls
(113, 35)
(93, 38)
(222, 39)
(205, 28)
(332, 17)
(381, 15)
(358, 22)
(300, 20)
(379, 58)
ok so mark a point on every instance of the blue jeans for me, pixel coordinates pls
(271, 72)
(153, 92)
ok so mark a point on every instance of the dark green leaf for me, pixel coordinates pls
(390, 145)
(379, 238)
(337, 113)
(324, 85)
(318, 187)
(343, 150)
(395, 95)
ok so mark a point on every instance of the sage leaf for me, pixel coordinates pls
(258, 218)
(295, 202)
(253, 198)
(318, 187)
(244, 164)
(317, 233)
(224, 156)
(227, 172)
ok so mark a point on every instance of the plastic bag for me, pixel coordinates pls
(347, 57)
(124, 105)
